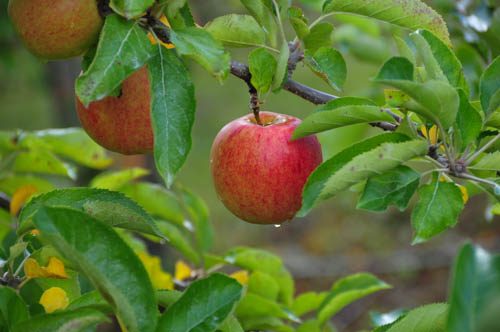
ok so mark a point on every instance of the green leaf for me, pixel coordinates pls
(312, 325)
(409, 14)
(264, 17)
(72, 143)
(15, 251)
(329, 65)
(261, 283)
(11, 182)
(488, 162)
(439, 60)
(475, 288)
(319, 36)
(281, 74)
(307, 302)
(200, 46)
(168, 297)
(435, 100)
(253, 305)
(179, 14)
(198, 211)
(262, 260)
(403, 49)
(130, 8)
(112, 208)
(231, 324)
(105, 260)
(91, 300)
(262, 66)
(469, 121)
(204, 305)
(156, 200)
(394, 187)
(358, 162)
(489, 87)
(237, 31)
(428, 318)
(123, 48)
(395, 98)
(438, 208)
(396, 68)
(44, 162)
(338, 113)
(172, 111)
(114, 180)
(12, 309)
(348, 290)
(298, 22)
(62, 321)
(265, 323)
(178, 240)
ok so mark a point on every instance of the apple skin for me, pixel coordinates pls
(56, 29)
(258, 172)
(122, 124)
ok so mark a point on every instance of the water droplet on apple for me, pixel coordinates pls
(277, 225)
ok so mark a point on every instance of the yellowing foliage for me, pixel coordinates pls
(53, 299)
(21, 195)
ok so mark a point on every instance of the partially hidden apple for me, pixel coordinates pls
(122, 124)
(56, 29)
(258, 172)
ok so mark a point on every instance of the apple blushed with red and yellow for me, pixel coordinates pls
(258, 172)
(56, 29)
(122, 124)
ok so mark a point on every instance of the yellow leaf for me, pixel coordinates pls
(152, 39)
(241, 277)
(465, 194)
(159, 278)
(182, 270)
(32, 269)
(162, 280)
(55, 269)
(53, 299)
(432, 135)
(21, 195)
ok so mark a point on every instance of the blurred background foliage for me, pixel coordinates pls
(334, 240)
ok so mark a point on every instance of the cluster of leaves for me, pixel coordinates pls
(75, 258)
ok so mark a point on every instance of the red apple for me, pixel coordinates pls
(258, 172)
(122, 124)
(56, 29)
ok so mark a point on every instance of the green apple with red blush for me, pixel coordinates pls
(258, 171)
(56, 29)
(122, 124)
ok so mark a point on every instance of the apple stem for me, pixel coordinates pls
(254, 101)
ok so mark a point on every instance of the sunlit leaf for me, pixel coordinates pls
(237, 31)
(409, 14)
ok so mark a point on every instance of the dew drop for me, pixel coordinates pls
(497, 190)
